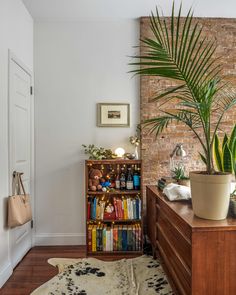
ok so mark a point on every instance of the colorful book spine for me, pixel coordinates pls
(115, 238)
(124, 238)
(102, 209)
(94, 207)
(115, 207)
(119, 245)
(90, 238)
(140, 209)
(108, 239)
(98, 211)
(97, 238)
(134, 209)
(125, 209)
(137, 203)
(94, 239)
(129, 238)
(104, 238)
(111, 239)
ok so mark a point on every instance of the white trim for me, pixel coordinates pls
(48, 239)
(14, 58)
(5, 274)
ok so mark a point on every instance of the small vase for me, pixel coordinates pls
(136, 153)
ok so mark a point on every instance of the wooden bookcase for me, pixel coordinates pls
(105, 165)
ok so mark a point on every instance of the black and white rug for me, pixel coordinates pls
(138, 276)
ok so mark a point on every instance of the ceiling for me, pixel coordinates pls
(109, 9)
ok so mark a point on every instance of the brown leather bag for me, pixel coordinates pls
(19, 209)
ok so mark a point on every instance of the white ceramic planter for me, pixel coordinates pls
(210, 195)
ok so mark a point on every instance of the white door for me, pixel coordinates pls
(20, 147)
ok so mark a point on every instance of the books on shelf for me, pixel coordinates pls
(125, 208)
(114, 238)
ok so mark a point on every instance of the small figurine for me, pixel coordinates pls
(110, 208)
(105, 183)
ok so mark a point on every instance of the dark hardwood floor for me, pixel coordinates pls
(34, 270)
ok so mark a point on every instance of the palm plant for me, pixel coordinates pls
(179, 51)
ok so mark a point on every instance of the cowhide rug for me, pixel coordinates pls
(139, 276)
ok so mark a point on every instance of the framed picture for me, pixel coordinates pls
(113, 115)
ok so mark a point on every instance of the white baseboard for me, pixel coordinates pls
(59, 239)
(5, 274)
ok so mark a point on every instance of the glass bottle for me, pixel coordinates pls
(117, 182)
(129, 182)
(122, 179)
(136, 179)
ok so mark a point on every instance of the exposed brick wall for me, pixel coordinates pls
(155, 152)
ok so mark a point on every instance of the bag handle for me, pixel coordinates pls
(21, 183)
(17, 183)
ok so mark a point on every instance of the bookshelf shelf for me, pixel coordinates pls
(115, 220)
(115, 252)
(123, 233)
(112, 162)
(115, 192)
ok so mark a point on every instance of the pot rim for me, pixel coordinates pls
(200, 177)
(204, 173)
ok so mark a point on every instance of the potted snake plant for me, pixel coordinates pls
(225, 159)
(179, 51)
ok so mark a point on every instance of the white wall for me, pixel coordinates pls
(16, 34)
(77, 64)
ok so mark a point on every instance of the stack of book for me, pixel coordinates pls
(162, 182)
(96, 208)
(114, 238)
(126, 208)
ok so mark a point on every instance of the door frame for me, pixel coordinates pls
(13, 58)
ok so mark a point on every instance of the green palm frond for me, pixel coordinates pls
(179, 51)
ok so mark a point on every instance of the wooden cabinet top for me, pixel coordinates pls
(113, 161)
(184, 210)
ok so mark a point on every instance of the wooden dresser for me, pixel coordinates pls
(198, 255)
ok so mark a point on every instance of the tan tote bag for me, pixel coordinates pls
(19, 209)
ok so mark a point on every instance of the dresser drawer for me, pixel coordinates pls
(180, 273)
(181, 245)
(174, 219)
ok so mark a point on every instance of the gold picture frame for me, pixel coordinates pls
(113, 115)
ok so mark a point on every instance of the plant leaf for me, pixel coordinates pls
(232, 138)
(225, 140)
(217, 153)
(203, 158)
(227, 159)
